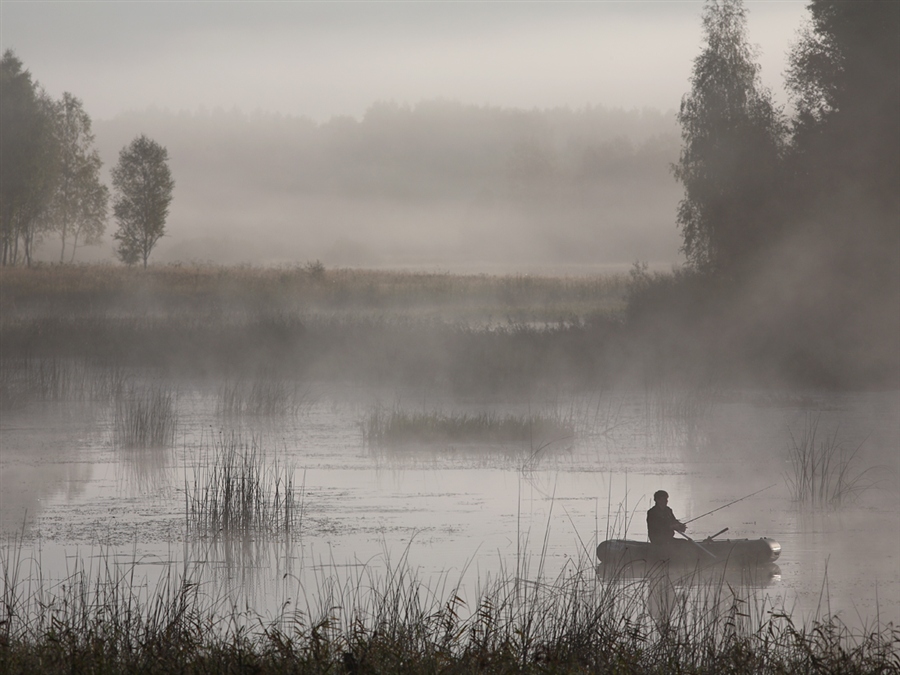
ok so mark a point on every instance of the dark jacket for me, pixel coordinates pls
(662, 524)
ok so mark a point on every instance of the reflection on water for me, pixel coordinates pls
(472, 511)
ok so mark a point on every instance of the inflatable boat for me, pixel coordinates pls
(685, 553)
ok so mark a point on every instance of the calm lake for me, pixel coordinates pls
(462, 513)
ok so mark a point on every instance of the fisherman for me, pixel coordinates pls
(661, 522)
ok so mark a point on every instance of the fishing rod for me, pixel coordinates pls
(729, 504)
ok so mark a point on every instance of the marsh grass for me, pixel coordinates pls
(359, 347)
(470, 333)
(388, 619)
(268, 394)
(145, 417)
(822, 470)
(57, 380)
(235, 491)
(398, 428)
(679, 408)
(97, 288)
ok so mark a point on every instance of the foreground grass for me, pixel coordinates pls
(390, 621)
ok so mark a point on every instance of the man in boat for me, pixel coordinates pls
(661, 522)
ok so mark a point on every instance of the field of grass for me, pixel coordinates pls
(388, 620)
(472, 334)
(92, 289)
(468, 334)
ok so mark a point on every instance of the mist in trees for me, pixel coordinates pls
(29, 154)
(143, 185)
(50, 169)
(791, 221)
(78, 209)
(439, 183)
(732, 139)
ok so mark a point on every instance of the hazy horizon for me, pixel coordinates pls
(327, 59)
(321, 69)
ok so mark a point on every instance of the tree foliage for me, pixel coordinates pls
(78, 209)
(29, 166)
(732, 137)
(844, 78)
(844, 171)
(144, 191)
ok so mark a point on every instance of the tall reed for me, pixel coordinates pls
(822, 470)
(55, 379)
(234, 491)
(145, 417)
(387, 619)
(268, 394)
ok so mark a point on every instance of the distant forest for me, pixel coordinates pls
(437, 183)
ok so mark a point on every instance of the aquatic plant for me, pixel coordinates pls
(55, 379)
(398, 427)
(145, 417)
(268, 394)
(235, 491)
(386, 619)
(822, 470)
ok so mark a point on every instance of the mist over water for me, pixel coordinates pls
(440, 321)
(439, 185)
(469, 508)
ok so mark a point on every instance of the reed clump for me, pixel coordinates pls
(145, 417)
(265, 395)
(390, 621)
(398, 427)
(57, 380)
(236, 492)
(822, 470)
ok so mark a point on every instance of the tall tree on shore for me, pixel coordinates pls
(844, 78)
(79, 206)
(844, 170)
(144, 187)
(28, 160)
(731, 150)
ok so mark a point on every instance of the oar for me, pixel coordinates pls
(711, 555)
(713, 536)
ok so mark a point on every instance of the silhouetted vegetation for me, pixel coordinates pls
(237, 490)
(50, 178)
(144, 187)
(790, 228)
(488, 334)
(392, 621)
(145, 417)
(823, 471)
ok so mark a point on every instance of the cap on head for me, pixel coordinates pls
(660, 494)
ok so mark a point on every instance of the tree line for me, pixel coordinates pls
(50, 177)
(828, 174)
(790, 220)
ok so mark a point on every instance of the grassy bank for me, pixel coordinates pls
(473, 334)
(469, 334)
(97, 289)
(391, 621)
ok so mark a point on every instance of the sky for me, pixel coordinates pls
(331, 58)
